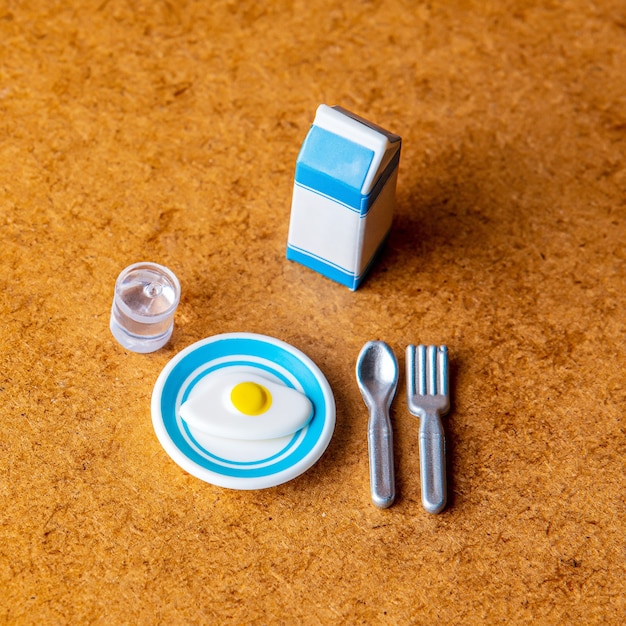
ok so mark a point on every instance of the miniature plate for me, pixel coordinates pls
(240, 464)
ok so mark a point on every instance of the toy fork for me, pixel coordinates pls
(428, 399)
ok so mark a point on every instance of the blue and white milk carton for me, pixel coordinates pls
(344, 195)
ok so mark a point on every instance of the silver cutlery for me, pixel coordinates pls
(377, 376)
(428, 398)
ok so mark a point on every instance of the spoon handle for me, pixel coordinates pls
(380, 446)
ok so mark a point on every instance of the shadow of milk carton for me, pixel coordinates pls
(344, 195)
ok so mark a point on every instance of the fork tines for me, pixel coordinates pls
(427, 374)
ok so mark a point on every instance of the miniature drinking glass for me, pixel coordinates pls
(145, 299)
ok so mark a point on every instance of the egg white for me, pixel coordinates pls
(208, 408)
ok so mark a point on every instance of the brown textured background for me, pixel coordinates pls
(168, 131)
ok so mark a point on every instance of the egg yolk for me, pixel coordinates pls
(251, 398)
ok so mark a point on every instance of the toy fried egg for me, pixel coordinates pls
(246, 406)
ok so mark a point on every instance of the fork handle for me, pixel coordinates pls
(380, 447)
(432, 447)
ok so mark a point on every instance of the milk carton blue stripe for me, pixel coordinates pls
(332, 270)
(327, 196)
(322, 266)
(328, 187)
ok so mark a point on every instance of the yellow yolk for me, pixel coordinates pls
(251, 398)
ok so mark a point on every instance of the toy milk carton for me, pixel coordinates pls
(344, 195)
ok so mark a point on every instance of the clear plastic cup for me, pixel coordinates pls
(145, 299)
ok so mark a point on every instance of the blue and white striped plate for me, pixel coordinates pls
(251, 464)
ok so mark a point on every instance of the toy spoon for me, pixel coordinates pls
(377, 377)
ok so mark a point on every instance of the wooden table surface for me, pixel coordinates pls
(168, 131)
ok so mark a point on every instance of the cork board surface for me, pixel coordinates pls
(168, 131)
